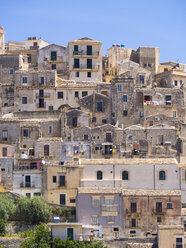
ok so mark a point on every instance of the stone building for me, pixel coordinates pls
(54, 57)
(98, 105)
(144, 210)
(85, 60)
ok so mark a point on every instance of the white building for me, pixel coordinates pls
(34, 43)
(85, 60)
(27, 182)
(147, 174)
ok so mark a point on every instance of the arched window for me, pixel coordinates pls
(99, 175)
(162, 175)
(125, 175)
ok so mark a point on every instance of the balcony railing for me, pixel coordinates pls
(110, 208)
(84, 53)
(45, 95)
(27, 185)
(93, 67)
(41, 105)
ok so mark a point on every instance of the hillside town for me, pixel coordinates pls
(102, 134)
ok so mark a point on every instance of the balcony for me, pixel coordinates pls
(27, 185)
(84, 54)
(45, 95)
(85, 68)
(108, 210)
(41, 106)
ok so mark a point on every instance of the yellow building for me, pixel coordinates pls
(61, 180)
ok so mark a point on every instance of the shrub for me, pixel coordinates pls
(2, 227)
(7, 207)
(33, 211)
(40, 238)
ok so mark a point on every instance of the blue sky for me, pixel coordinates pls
(160, 23)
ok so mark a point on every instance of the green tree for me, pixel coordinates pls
(7, 207)
(2, 227)
(40, 238)
(33, 211)
(58, 243)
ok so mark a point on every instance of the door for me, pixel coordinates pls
(89, 50)
(70, 233)
(89, 63)
(62, 199)
(27, 181)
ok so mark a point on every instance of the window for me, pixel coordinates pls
(35, 44)
(99, 106)
(130, 137)
(74, 122)
(125, 112)
(162, 175)
(159, 219)
(28, 181)
(24, 146)
(158, 207)
(149, 65)
(94, 220)
(93, 119)
(2, 169)
(124, 98)
(76, 94)
(24, 100)
(41, 103)
(24, 80)
(46, 150)
(29, 58)
(84, 93)
(85, 137)
(168, 100)
(169, 205)
(99, 175)
(76, 63)
(41, 93)
(72, 200)
(95, 202)
(145, 65)
(50, 108)
(89, 74)
(28, 195)
(140, 114)
(41, 80)
(133, 223)
(77, 74)
(110, 219)
(50, 129)
(25, 132)
(5, 135)
(62, 199)
(179, 243)
(104, 121)
(108, 137)
(11, 71)
(133, 207)
(89, 50)
(142, 79)
(4, 151)
(175, 82)
(54, 179)
(125, 175)
(119, 87)
(75, 49)
(174, 113)
(53, 56)
(60, 95)
(53, 66)
(181, 82)
(62, 182)
(89, 63)
(37, 194)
